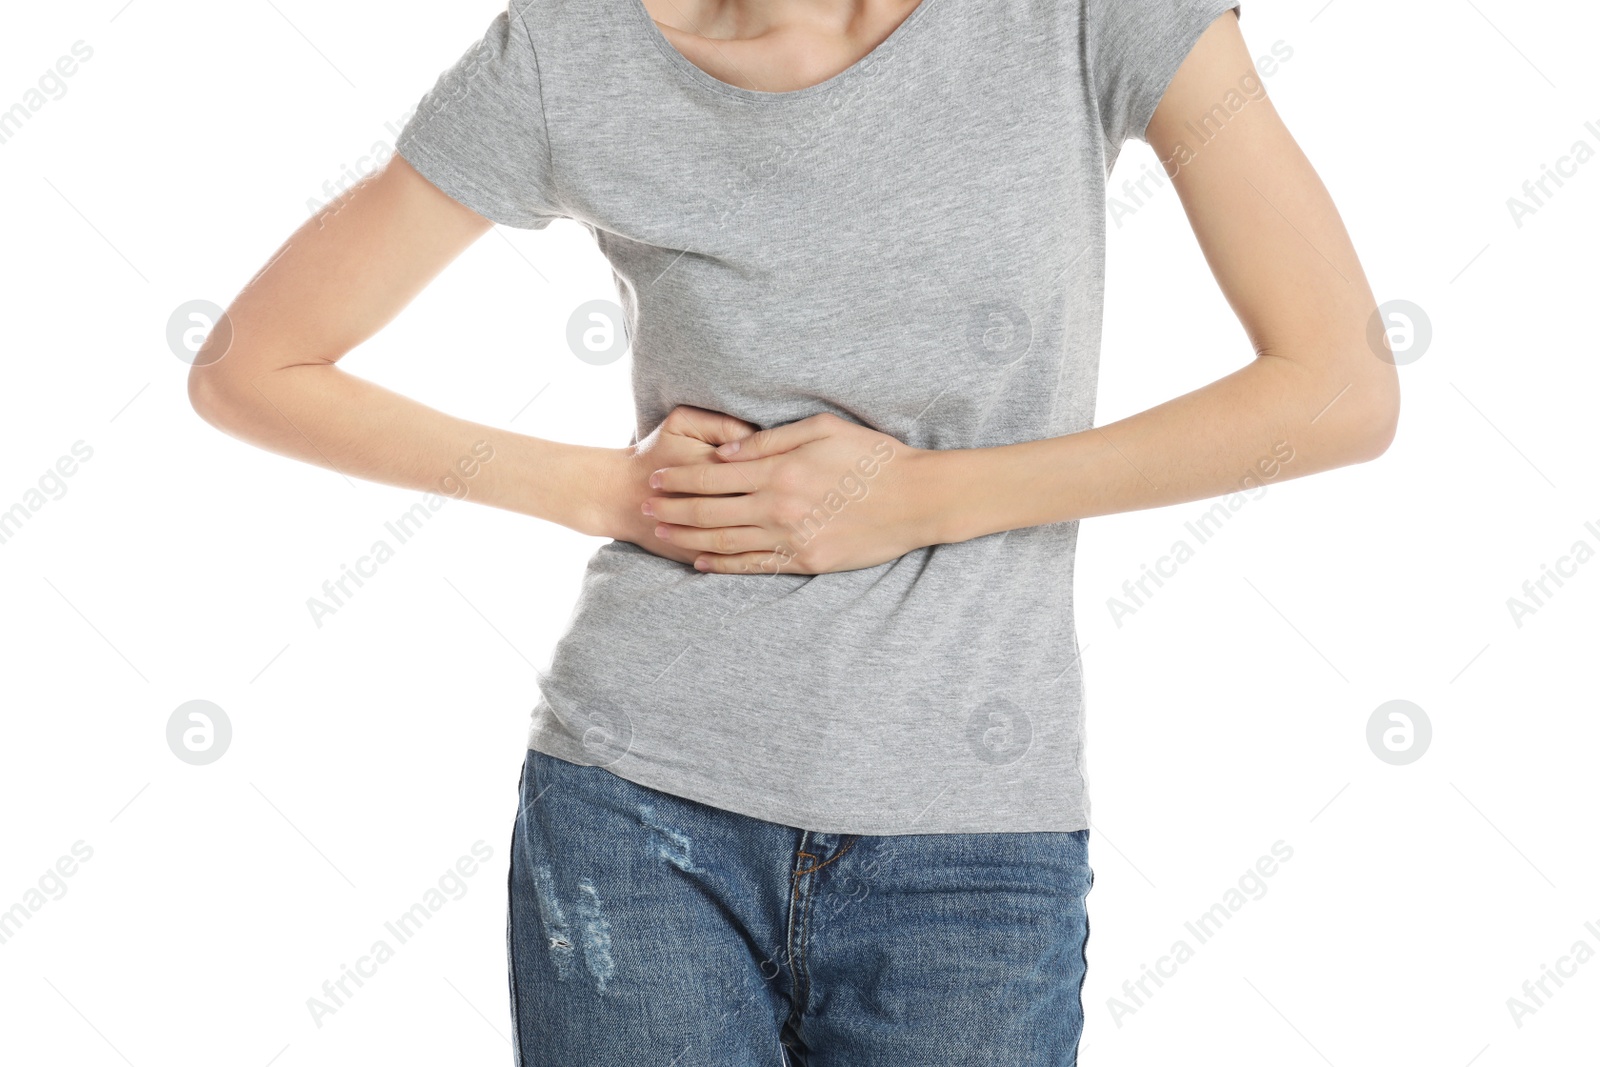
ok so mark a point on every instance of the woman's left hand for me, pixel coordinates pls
(822, 494)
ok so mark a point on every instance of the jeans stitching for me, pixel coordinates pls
(830, 859)
(795, 941)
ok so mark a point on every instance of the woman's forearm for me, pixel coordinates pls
(324, 415)
(1270, 421)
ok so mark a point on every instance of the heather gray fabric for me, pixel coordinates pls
(916, 245)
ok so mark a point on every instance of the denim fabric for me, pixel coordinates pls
(646, 928)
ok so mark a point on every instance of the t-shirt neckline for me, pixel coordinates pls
(641, 17)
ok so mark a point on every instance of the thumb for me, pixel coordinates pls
(712, 427)
(771, 442)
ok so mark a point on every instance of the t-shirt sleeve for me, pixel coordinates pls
(1135, 47)
(479, 134)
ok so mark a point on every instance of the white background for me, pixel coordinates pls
(1227, 714)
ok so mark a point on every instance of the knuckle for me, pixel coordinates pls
(698, 512)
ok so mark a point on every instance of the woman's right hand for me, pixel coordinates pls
(686, 436)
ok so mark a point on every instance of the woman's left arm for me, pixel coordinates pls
(1280, 253)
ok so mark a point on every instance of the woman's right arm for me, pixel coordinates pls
(338, 280)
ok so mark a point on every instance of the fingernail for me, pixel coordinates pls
(702, 564)
(655, 480)
(662, 531)
(728, 449)
(648, 509)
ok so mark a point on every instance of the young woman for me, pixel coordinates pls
(805, 778)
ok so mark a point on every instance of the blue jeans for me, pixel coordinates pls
(646, 928)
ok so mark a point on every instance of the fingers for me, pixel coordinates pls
(770, 562)
(724, 540)
(764, 443)
(709, 478)
(701, 511)
(712, 427)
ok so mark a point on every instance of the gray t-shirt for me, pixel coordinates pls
(917, 245)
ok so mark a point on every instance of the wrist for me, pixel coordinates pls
(938, 482)
(606, 492)
(958, 489)
(583, 489)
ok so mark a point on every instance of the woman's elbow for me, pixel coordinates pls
(1374, 431)
(211, 395)
(226, 396)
